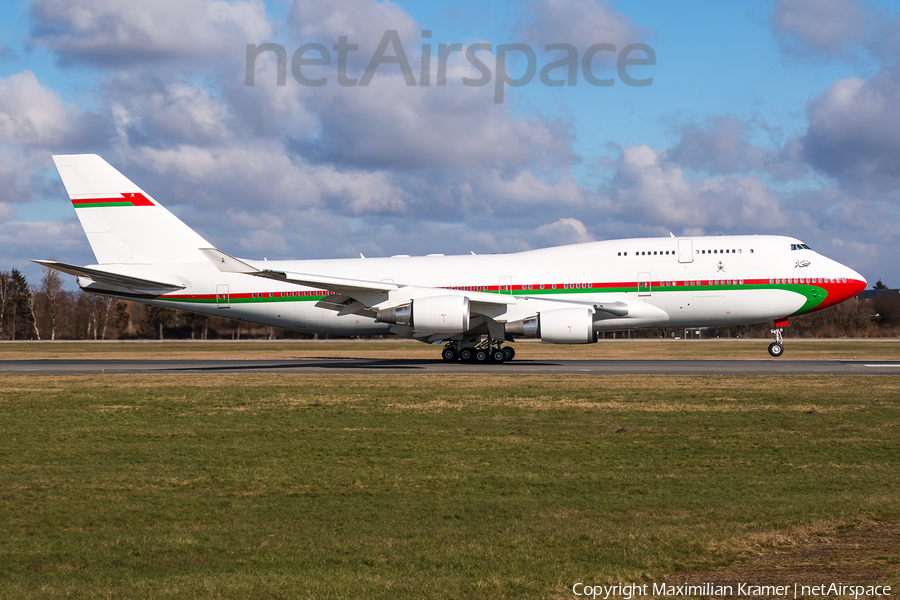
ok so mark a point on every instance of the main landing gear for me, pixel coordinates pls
(481, 352)
(776, 348)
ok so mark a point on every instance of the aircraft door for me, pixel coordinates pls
(644, 284)
(685, 251)
(223, 298)
(505, 284)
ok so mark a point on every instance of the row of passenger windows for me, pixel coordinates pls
(502, 288)
(288, 294)
(672, 252)
(810, 280)
(579, 286)
(741, 281)
(562, 286)
(695, 282)
(648, 253)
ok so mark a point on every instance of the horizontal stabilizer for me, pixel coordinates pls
(100, 276)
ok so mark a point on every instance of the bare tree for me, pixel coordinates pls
(30, 299)
(108, 306)
(52, 296)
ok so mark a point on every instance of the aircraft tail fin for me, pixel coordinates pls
(124, 225)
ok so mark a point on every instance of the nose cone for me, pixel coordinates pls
(853, 283)
(857, 282)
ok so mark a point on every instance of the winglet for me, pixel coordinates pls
(227, 263)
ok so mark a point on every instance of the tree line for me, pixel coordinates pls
(48, 311)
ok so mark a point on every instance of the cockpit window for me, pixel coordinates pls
(800, 247)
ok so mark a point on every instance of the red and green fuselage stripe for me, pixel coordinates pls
(818, 295)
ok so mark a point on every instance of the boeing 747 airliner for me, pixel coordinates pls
(471, 304)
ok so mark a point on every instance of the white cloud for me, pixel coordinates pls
(826, 27)
(387, 125)
(269, 110)
(649, 187)
(168, 112)
(112, 32)
(259, 242)
(564, 231)
(33, 115)
(364, 22)
(854, 134)
(16, 178)
(724, 147)
(582, 23)
(23, 240)
(229, 178)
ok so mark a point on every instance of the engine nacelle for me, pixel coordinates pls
(558, 326)
(567, 326)
(432, 314)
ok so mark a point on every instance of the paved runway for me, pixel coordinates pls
(542, 367)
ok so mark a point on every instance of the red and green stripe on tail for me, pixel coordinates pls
(126, 199)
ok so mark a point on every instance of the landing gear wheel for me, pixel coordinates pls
(498, 355)
(776, 348)
(510, 353)
(449, 354)
(481, 356)
(467, 354)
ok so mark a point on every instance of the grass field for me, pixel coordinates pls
(876, 349)
(420, 486)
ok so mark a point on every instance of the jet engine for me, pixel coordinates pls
(432, 314)
(558, 326)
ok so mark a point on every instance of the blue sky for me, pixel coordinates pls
(763, 117)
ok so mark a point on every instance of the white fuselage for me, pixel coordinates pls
(665, 282)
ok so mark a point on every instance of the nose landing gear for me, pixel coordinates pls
(776, 348)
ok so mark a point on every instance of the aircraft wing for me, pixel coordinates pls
(354, 296)
(368, 293)
(101, 276)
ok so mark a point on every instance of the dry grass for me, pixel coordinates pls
(864, 555)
